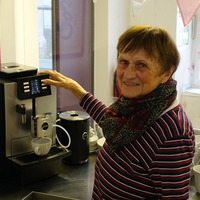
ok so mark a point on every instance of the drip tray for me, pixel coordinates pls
(33, 157)
(29, 168)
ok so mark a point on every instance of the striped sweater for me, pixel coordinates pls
(154, 166)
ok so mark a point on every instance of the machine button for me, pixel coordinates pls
(26, 87)
(44, 88)
(26, 91)
(25, 83)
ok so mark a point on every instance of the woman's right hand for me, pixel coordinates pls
(61, 81)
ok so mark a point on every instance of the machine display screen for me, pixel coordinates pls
(32, 86)
(35, 87)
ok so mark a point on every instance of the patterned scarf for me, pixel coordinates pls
(127, 119)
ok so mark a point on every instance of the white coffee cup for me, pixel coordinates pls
(41, 146)
(196, 170)
(196, 158)
(197, 146)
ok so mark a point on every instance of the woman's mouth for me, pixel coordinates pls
(131, 84)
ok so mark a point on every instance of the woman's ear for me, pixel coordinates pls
(167, 75)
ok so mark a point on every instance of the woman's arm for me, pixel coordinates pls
(88, 102)
(94, 107)
(61, 81)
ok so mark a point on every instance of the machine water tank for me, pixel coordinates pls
(77, 125)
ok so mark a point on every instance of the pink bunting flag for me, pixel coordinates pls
(188, 9)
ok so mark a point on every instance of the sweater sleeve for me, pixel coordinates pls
(172, 152)
(170, 171)
(94, 107)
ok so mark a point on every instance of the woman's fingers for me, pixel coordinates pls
(56, 79)
(59, 80)
(52, 82)
(52, 74)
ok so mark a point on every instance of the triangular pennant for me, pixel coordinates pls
(188, 9)
(136, 5)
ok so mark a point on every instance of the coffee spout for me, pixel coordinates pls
(22, 110)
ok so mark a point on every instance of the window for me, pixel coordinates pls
(65, 34)
(45, 34)
(195, 51)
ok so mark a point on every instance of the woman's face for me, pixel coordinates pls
(138, 74)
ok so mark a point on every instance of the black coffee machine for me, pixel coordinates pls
(27, 110)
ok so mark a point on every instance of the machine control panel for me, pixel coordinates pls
(32, 86)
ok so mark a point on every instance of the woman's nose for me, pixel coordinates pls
(130, 71)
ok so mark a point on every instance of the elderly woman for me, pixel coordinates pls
(149, 139)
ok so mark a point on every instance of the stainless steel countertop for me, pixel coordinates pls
(74, 181)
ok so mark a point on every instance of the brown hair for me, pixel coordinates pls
(156, 42)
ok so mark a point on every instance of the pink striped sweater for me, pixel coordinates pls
(154, 166)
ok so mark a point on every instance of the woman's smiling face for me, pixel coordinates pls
(138, 74)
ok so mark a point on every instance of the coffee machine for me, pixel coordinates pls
(27, 110)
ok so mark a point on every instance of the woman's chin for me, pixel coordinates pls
(128, 96)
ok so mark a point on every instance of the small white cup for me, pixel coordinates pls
(196, 158)
(197, 146)
(196, 170)
(41, 146)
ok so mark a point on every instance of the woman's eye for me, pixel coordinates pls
(140, 65)
(123, 62)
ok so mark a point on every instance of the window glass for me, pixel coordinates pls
(196, 50)
(45, 34)
(65, 44)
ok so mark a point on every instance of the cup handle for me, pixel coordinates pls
(37, 150)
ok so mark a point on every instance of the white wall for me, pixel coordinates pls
(18, 32)
(158, 13)
(111, 19)
(118, 22)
